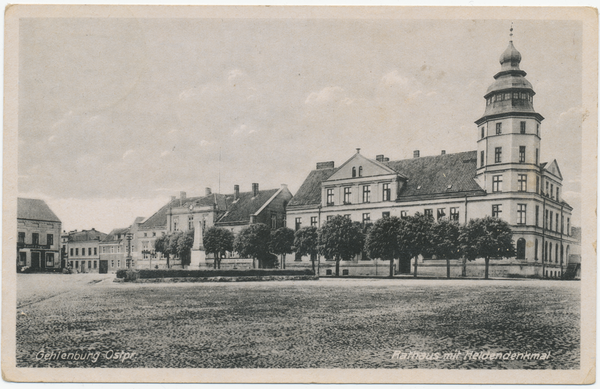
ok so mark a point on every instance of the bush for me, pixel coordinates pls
(169, 273)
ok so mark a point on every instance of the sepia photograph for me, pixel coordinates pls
(300, 194)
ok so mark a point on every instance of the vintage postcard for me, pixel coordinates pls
(300, 194)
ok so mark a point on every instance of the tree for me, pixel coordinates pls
(218, 241)
(444, 241)
(253, 241)
(340, 239)
(415, 237)
(306, 243)
(161, 245)
(487, 238)
(185, 241)
(282, 241)
(382, 240)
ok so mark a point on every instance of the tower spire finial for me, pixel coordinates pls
(511, 31)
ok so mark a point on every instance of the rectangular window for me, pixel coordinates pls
(76, 251)
(522, 182)
(547, 184)
(298, 223)
(95, 265)
(118, 263)
(387, 192)
(537, 156)
(95, 251)
(176, 223)
(83, 251)
(330, 196)
(552, 191)
(385, 214)
(454, 215)
(347, 195)
(562, 224)
(568, 226)
(35, 238)
(522, 154)
(429, 212)
(521, 213)
(557, 192)
(482, 162)
(273, 221)
(550, 219)
(89, 264)
(537, 130)
(498, 128)
(366, 218)
(498, 155)
(537, 215)
(76, 264)
(496, 183)
(71, 251)
(49, 239)
(313, 221)
(366, 194)
(537, 184)
(112, 263)
(523, 126)
(348, 216)
(546, 220)
(556, 222)
(441, 213)
(89, 251)
(49, 259)
(536, 249)
(22, 258)
(403, 214)
(496, 210)
(190, 223)
(21, 237)
(482, 133)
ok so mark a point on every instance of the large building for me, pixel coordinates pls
(83, 250)
(38, 236)
(502, 178)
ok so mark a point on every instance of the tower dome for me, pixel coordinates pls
(511, 58)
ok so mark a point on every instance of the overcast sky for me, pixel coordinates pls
(116, 115)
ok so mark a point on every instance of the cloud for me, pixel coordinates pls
(324, 95)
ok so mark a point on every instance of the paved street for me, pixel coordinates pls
(343, 323)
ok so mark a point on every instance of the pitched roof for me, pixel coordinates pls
(240, 210)
(425, 176)
(159, 219)
(433, 175)
(86, 235)
(310, 190)
(113, 236)
(35, 209)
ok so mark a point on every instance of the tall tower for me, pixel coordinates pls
(509, 131)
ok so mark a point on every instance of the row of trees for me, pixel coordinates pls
(389, 239)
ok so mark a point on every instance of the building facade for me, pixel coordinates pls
(503, 178)
(83, 250)
(113, 250)
(38, 236)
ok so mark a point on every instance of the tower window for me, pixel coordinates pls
(537, 156)
(537, 130)
(498, 128)
(523, 126)
(482, 132)
(496, 183)
(537, 215)
(482, 158)
(521, 213)
(522, 182)
(515, 95)
(537, 184)
(521, 248)
(522, 154)
(496, 210)
(498, 155)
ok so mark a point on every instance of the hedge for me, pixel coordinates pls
(171, 273)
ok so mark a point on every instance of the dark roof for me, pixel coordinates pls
(240, 210)
(433, 175)
(159, 219)
(310, 190)
(426, 176)
(34, 209)
(86, 235)
(113, 236)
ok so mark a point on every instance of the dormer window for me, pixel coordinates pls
(353, 171)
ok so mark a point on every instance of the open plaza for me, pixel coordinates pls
(87, 320)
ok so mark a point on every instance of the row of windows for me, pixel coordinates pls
(498, 156)
(522, 185)
(89, 251)
(34, 254)
(522, 129)
(547, 254)
(366, 194)
(35, 238)
(508, 96)
(75, 264)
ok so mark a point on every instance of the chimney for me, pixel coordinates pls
(380, 158)
(284, 186)
(182, 195)
(207, 191)
(252, 219)
(416, 154)
(236, 192)
(386, 159)
(325, 165)
(443, 152)
(172, 198)
(254, 189)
